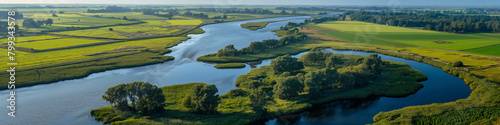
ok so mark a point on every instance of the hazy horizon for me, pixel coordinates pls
(272, 2)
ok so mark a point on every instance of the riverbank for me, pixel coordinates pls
(229, 65)
(236, 107)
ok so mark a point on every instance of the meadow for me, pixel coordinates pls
(369, 33)
(57, 43)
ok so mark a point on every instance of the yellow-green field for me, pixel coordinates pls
(30, 38)
(70, 20)
(185, 22)
(57, 43)
(390, 35)
(79, 54)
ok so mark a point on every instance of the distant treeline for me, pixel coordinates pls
(236, 10)
(4, 15)
(432, 21)
(308, 8)
(110, 9)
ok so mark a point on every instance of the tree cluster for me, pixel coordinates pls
(203, 99)
(292, 36)
(236, 10)
(145, 98)
(110, 9)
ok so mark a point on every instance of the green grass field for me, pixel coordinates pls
(57, 43)
(362, 32)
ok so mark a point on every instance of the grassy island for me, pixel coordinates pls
(288, 85)
(256, 25)
(230, 65)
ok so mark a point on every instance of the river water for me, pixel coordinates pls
(70, 101)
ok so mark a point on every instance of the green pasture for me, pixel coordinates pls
(370, 33)
(57, 43)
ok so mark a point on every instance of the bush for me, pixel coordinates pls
(457, 64)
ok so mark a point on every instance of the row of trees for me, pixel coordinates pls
(433, 21)
(31, 23)
(144, 97)
(292, 36)
(236, 10)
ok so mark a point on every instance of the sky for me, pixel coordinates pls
(272, 2)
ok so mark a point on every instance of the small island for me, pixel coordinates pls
(256, 25)
(288, 85)
(230, 65)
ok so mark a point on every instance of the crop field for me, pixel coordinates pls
(129, 15)
(79, 54)
(30, 38)
(71, 20)
(57, 43)
(362, 32)
(184, 22)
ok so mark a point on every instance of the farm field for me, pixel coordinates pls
(386, 35)
(57, 43)
(70, 20)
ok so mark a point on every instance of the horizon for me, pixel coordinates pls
(432, 3)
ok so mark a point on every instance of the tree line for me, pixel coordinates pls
(432, 21)
(292, 36)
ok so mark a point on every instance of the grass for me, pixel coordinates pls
(70, 20)
(255, 25)
(485, 115)
(362, 32)
(230, 65)
(185, 22)
(238, 110)
(57, 43)
(30, 38)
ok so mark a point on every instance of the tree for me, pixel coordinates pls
(54, 15)
(202, 99)
(320, 81)
(229, 50)
(333, 60)
(145, 98)
(283, 12)
(286, 64)
(457, 64)
(61, 12)
(110, 29)
(30, 23)
(125, 18)
(287, 88)
(49, 22)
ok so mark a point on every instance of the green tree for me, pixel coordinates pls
(145, 98)
(333, 61)
(287, 88)
(286, 64)
(49, 22)
(202, 99)
(125, 18)
(457, 64)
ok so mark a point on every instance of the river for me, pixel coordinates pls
(70, 101)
